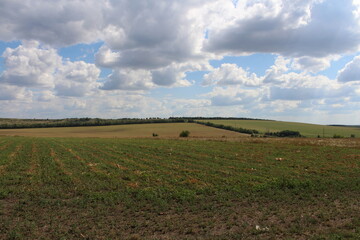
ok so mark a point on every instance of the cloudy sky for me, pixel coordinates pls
(294, 60)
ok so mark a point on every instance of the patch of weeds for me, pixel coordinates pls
(3, 193)
(310, 220)
(286, 184)
(336, 236)
(185, 133)
(337, 136)
(15, 234)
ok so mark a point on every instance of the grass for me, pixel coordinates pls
(308, 130)
(164, 130)
(74, 188)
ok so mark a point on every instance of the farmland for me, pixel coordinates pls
(307, 130)
(252, 188)
(164, 130)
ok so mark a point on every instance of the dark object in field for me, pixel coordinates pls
(285, 133)
(185, 133)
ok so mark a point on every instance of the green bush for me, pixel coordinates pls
(285, 133)
(185, 133)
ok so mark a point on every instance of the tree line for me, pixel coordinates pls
(82, 122)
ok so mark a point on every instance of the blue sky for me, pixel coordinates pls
(291, 60)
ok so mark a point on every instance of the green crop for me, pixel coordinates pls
(74, 188)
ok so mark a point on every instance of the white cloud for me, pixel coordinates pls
(231, 74)
(128, 80)
(279, 85)
(279, 106)
(76, 79)
(79, 71)
(59, 23)
(30, 65)
(150, 34)
(313, 65)
(173, 31)
(227, 96)
(75, 104)
(45, 96)
(302, 86)
(35, 67)
(280, 67)
(151, 44)
(167, 77)
(114, 36)
(8, 92)
(131, 104)
(105, 57)
(291, 28)
(170, 76)
(351, 71)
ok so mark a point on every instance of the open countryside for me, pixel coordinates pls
(307, 130)
(62, 183)
(163, 130)
(151, 119)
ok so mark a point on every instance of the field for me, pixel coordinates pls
(164, 130)
(308, 130)
(252, 188)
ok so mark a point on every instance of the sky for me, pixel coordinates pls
(290, 60)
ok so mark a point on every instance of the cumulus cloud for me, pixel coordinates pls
(351, 72)
(30, 65)
(291, 28)
(150, 34)
(231, 74)
(313, 65)
(131, 104)
(274, 73)
(227, 96)
(8, 92)
(169, 76)
(59, 23)
(295, 86)
(174, 31)
(75, 104)
(150, 44)
(128, 80)
(166, 77)
(279, 84)
(76, 79)
(153, 36)
(45, 96)
(105, 57)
